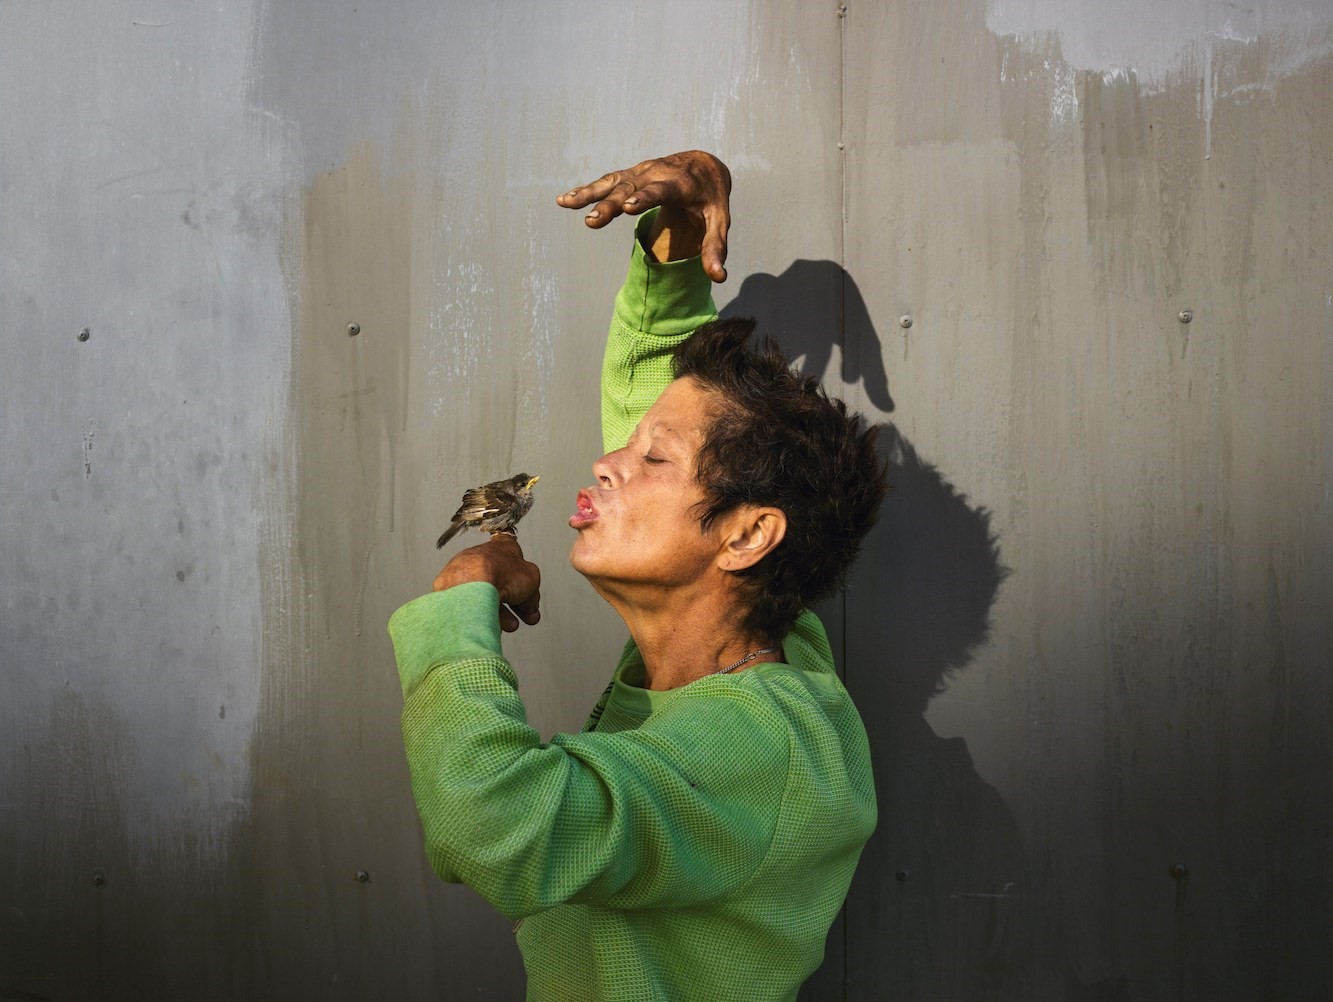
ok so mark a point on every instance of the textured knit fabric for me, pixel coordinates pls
(658, 307)
(689, 844)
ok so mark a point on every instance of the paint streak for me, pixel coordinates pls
(1156, 41)
(1158, 44)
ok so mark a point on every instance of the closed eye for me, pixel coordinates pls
(653, 459)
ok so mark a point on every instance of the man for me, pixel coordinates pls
(696, 840)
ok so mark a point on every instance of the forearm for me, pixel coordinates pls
(659, 305)
(652, 816)
(463, 725)
(488, 792)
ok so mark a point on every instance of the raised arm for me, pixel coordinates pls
(681, 243)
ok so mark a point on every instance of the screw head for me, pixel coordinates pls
(902, 874)
(353, 330)
(1179, 872)
(362, 877)
(99, 878)
(1185, 316)
(84, 334)
(905, 321)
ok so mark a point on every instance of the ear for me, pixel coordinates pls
(751, 535)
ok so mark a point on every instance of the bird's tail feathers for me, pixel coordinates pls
(449, 534)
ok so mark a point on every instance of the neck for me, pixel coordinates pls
(684, 637)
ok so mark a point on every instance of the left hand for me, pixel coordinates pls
(499, 562)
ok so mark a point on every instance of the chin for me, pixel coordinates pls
(604, 575)
(579, 557)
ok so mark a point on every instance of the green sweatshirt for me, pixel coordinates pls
(689, 844)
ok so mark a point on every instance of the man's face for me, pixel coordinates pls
(638, 525)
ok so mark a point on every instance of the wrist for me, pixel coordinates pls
(673, 236)
(467, 567)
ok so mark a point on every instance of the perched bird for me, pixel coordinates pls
(494, 508)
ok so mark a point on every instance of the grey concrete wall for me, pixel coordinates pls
(1090, 638)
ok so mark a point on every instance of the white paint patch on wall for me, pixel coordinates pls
(541, 302)
(1155, 43)
(1154, 39)
(460, 311)
(1063, 80)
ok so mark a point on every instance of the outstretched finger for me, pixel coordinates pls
(652, 194)
(586, 194)
(612, 205)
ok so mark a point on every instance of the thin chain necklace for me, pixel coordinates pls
(749, 657)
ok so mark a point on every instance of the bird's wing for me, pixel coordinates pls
(477, 504)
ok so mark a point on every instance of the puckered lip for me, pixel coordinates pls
(585, 511)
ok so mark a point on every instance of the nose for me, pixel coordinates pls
(607, 469)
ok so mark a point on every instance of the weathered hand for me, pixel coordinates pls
(693, 189)
(499, 562)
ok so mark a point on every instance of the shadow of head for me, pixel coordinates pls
(808, 308)
(918, 599)
(943, 869)
(926, 578)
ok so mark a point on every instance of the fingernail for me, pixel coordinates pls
(592, 215)
(630, 201)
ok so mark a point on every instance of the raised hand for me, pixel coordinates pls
(693, 188)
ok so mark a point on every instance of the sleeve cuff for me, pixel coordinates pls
(667, 299)
(451, 625)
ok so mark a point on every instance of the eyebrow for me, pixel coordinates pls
(658, 430)
(670, 437)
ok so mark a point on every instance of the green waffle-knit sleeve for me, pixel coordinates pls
(675, 813)
(659, 306)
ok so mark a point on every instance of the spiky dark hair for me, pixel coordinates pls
(777, 439)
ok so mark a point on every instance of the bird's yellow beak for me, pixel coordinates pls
(531, 482)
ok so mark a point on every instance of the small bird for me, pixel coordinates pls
(493, 508)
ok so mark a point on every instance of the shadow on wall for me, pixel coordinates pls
(940, 886)
(935, 910)
(803, 308)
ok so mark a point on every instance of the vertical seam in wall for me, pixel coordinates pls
(842, 251)
(842, 254)
(842, 133)
(842, 336)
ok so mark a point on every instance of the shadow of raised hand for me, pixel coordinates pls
(807, 309)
